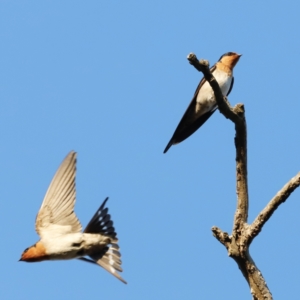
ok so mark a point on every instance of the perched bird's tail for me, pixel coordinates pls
(185, 128)
(109, 257)
(168, 146)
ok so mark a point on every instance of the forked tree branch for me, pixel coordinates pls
(237, 244)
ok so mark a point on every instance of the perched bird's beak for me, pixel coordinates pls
(234, 59)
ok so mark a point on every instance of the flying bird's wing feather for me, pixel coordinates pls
(108, 258)
(188, 124)
(101, 222)
(56, 215)
(111, 263)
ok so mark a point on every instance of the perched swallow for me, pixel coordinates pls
(60, 230)
(203, 104)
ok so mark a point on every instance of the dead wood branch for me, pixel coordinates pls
(237, 244)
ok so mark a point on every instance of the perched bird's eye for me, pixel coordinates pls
(25, 250)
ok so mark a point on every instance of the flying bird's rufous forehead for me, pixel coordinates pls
(230, 59)
(35, 253)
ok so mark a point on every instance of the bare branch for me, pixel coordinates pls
(240, 140)
(237, 116)
(268, 211)
(221, 236)
(254, 277)
(236, 244)
(252, 274)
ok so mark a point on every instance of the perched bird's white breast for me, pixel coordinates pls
(206, 99)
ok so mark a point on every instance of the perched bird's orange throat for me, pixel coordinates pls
(35, 253)
(228, 62)
(222, 67)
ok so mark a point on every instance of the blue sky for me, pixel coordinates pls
(110, 80)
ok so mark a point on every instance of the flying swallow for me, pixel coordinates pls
(203, 104)
(60, 230)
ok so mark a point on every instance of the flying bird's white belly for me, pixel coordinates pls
(74, 245)
(206, 98)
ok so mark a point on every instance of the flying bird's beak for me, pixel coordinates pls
(22, 257)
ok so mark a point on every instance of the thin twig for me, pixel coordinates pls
(221, 236)
(268, 211)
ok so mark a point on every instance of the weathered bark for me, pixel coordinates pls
(237, 244)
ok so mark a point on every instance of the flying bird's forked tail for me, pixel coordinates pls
(108, 257)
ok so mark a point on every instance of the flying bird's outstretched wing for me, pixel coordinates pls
(56, 215)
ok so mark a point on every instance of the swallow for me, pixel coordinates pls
(204, 104)
(60, 230)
